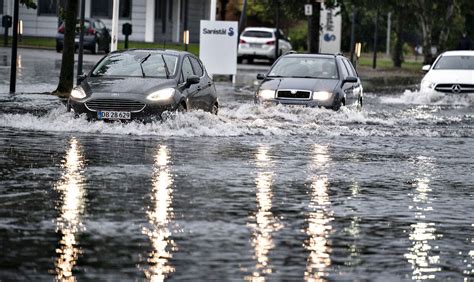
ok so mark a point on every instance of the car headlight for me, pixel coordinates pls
(321, 95)
(78, 93)
(427, 84)
(161, 95)
(266, 94)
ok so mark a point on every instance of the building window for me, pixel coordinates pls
(47, 7)
(103, 9)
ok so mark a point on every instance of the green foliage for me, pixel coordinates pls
(29, 3)
(299, 36)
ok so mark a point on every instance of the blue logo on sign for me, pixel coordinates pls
(329, 37)
(231, 31)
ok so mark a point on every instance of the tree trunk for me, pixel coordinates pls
(66, 77)
(444, 34)
(397, 55)
(223, 10)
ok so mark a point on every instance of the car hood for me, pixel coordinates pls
(450, 76)
(137, 85)
(299, 84)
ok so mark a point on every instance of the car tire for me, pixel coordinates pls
(215, 109)
(181, 108)
(250, 60)
(58, 49)
(239, 60)
(337, 106)
(360, 102)
(68, 106)
(95, 49)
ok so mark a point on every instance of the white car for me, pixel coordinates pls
(452, 72)
(259, 43)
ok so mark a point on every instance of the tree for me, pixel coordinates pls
(66, 77)
(29, 3)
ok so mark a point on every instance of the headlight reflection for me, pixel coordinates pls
(72, 198)
(160, 215)
(319, 218)
(422, 234)
(264, 223)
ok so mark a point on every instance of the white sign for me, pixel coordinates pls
(308, 10)
(218, 46)
(330, 37)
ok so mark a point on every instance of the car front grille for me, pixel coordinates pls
(293, 94)
(115, 105)
(455, 88)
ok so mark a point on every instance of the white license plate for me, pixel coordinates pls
(255, 45)
(113, 115)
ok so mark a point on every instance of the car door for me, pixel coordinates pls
(193, 90)
(348, 87)
(284, 44)
(101, 34)
(203, 99)
(357, 87)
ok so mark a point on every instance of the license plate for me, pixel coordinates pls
(255, 45)
(113, 115)
(76, 40)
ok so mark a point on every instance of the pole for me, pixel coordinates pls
(277, 26)
(115, 19)
(310, 29)
(389, 27)
(374, 62)
(317, 25)
(185, 24)
(14, 48)
(81, 41)
(213, 10)
(242, 17)
(353, 24)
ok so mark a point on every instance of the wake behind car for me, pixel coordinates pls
(311, 80)
(142, 84)
(451, 73)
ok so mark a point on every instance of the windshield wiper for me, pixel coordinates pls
(166, 67)
(142, 61)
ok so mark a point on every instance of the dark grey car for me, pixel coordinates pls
(142, 84)
(311, 80)
(96, 36)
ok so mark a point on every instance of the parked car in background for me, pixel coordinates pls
(96, 36)
(311, 80)
(142, 84)
(451, 73)
(259, 43)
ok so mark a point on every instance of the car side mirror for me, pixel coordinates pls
(192, 79)
(426, 67)
(260, 76)
(350, 79)
(81, 78)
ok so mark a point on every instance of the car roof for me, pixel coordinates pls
(268, 29)
(306, 55)
(458, 53)
(154, 50)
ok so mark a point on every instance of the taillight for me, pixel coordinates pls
(271, 42)
(242, 41)
(91, 31)
(61, 29)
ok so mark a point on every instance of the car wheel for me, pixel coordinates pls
(68, 106)
(338, 105)
(58, 49)
(360, 102)
(240, 60)
(215, 109)
(250, 60)
(181, 107)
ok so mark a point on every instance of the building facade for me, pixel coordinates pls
(152, 20)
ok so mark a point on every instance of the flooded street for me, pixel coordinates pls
(255, 193)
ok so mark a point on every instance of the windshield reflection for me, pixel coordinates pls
(160, 215)
(264, 224)
(423, 232)
(71, 209)
(319, 217)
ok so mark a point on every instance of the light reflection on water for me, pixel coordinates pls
(160, 215)
(319, 218)
(423, 232)
(71, 209)
(264, 224)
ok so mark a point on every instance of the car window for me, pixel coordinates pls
(187, 69)
(455, 63)
(97, 25)
(345, 72)
(197, 67)
(350, 68)
(136, 64)
(257, 33)
(312, 67)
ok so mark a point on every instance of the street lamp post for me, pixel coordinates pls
(81, 41)
(277, 26)
(14, 48)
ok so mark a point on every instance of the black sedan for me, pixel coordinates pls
(96, 36)
(311, 80)
(143, 84)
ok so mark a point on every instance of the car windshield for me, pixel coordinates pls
(257, 33)
(311, 67)
(455, 63)
(137, 64)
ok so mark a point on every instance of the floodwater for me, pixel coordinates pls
(256, 193)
